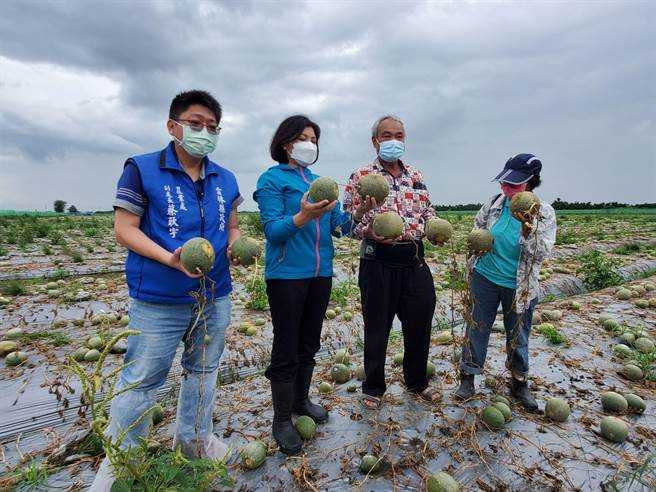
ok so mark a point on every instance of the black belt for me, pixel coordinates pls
(406, 253)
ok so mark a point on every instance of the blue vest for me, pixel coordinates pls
(177, 212)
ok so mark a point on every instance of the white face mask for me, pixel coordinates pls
(304, 152)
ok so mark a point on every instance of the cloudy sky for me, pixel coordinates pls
(84, 85)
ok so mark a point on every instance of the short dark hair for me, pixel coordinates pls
(534, 182)
(182, 101)
(288, 131)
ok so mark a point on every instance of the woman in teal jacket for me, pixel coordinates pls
(298, 272)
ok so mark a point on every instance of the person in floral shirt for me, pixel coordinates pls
(394, 279)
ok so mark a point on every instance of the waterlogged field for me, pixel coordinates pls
(63, 295)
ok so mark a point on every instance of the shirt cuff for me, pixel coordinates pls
(129, 206)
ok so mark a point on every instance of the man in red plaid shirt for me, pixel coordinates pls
(394, 279)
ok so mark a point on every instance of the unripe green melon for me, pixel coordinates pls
(340, 373)
(398, 359)
(325, 387)
(642, 303)
(504, 409)
(352, 388)
(635, 403)
(197, 253)
(305, 426)
(613, 402)
(652, 302)
(557, 409)
(375, 185)
(552, 315)
(15, 358)
(79, 354)
(614, 429)
(253, 454)
(13, 334)
(627, 338)
(7, 346)
(243, 327)
(95, 342)
(250, 331)
(369, 464)
(438, 230)
(359, 373)
(442, 482)
(611, 325)
(430, 370)
(479, 240)
(388, 225)
(502, 399)
(259, 322)
(444, 337)
(632, 372)
(323, 188)
(157, 414)
(330, 314)
(644, 345)
(624, 294)
(522, 202)
(342, 357)
(92, 355)
(246, 250)
(622, 351)
(493, 417)
(348, 316)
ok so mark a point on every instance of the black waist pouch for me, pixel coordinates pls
(406, 253)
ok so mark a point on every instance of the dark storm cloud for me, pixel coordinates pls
(475, 83)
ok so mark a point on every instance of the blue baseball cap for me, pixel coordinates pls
(519, 169)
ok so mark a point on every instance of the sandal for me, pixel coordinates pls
(370, 402)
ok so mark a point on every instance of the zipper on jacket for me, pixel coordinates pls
(318, 232)
(199, 199)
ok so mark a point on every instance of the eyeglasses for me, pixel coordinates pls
(198, 126)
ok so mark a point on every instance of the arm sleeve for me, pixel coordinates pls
(480, 221)
(278, 227)
(541, 241)
(129, 191)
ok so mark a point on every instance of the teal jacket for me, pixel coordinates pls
(296, 252)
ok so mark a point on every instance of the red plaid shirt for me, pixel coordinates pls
(408, 197)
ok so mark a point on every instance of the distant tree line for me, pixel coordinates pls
(557, 204)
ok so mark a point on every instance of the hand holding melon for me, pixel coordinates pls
(525, 207)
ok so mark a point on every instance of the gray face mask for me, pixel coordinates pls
(198, 144)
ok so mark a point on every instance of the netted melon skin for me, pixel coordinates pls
(323, 188)
(375, 186)
(197, 253)
(388, 225)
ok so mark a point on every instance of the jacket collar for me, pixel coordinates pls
(378, 166)
(498, 201)
(169, 160)
(283, 166)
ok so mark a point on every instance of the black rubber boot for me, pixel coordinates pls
(519, 390)
(303, 405)
(466, 389)
(284, 431)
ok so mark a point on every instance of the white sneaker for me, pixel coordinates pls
(104, 478)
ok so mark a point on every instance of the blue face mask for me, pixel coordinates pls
(391, 150)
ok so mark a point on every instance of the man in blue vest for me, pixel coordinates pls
(162, 200)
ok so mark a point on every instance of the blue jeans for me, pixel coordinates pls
(151, 353)
(486, 297)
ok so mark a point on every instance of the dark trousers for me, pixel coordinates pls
(407, 292)
(297, 311)
(486, 297)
